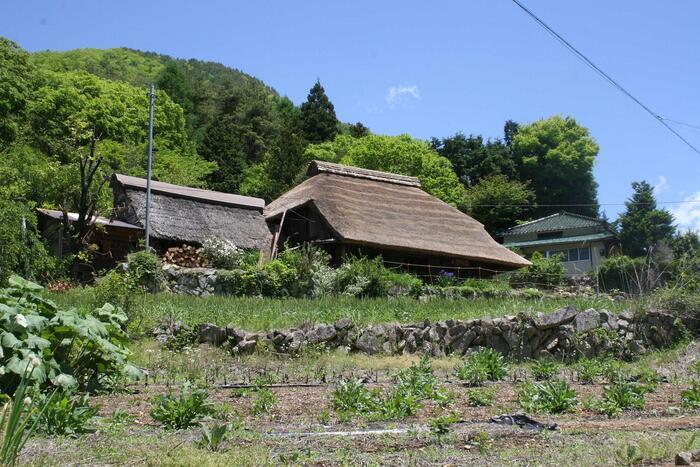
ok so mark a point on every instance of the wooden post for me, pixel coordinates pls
(273, 254)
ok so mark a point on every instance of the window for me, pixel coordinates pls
(572, 254)
(546, 235)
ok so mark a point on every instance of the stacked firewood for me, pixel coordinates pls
(185, 256)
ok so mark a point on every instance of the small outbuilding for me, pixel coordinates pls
(112, 240)
(181, 214)
(349, 210)
(582, 242)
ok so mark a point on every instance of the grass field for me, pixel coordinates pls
(261, 314)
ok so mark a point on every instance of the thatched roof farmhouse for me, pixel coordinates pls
(351, 210)
(183, 214)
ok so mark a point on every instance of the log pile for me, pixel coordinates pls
(186, 256)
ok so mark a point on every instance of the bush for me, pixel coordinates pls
(619, 396)
(484, 365)
(543, 271)
(63, 347)
(544, 369)
(551, 397)
(222, 253)
(145, 269)
(183, 410)
(690, 398)
(362, 277)
(115, 288)
(480, 397)
(308, 261)
(618, 273)
(66, 414)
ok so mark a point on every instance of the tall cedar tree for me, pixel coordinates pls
(318, 116)
(643, 225)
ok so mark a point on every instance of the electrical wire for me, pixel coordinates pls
(603, 74)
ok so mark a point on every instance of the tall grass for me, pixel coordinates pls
(266, 313)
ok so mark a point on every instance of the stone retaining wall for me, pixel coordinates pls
(564, 334)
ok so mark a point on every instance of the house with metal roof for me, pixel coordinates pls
(583, 242)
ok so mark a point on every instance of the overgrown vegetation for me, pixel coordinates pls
(552, 397)
(482, 366)
(182, 409)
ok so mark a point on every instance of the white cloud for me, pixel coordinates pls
(687, 214)
(398, 94)
(661, 185)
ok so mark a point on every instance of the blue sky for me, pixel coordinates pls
(435, 68)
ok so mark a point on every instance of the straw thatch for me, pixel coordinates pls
(183, 214)
(386, 211)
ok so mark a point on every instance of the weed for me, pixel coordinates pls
(649, 378)
(690, 398)
(482, 441)
(619, 396)
(441, 426)
(324, 417)
(481, 366)
(544, 369)
(588, 370)
(399, 403)
(66, 414)
(183, 410)
(352, 396)
(480, 397)
(264, 401)
(551, 397)
(212, 438)
(121, 417)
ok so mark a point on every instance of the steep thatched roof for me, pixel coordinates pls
(187, 214)
(390, 211)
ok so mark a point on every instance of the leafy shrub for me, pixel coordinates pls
(690, 398)
(183, 410)
(278, 279)
(484, 365)
(145, 269)
(480, 397)
(621, 395)
(264, 401)
(618, 272)
(588, 370)
(66, 414)
(311, 264)
(353, 397)
(362, 277)
(222, 253)
(63, 347)
(542, 272)
(115, 288)
(544, 369)
(552, 397)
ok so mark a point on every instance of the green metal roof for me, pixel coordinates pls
(561, 240)
(560, 221)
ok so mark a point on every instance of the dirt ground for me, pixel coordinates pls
(303, 429)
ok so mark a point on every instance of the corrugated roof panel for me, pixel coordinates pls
(560, 241)
(555, 222)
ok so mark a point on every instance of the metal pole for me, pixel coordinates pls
(151, 98)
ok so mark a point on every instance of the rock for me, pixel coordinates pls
(557, 318)
(371, 340)
(696, 456)
(343, 324)
(587, 320)
(210, 334)
(684, 458)
(246, 347)
(321, 333)
(623, 323)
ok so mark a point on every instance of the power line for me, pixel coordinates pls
(604, 75)
(682, 123)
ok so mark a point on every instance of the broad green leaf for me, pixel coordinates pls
(21, 283)
(9, 340)
(36, 342)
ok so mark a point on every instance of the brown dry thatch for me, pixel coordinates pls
(186, 214)
(376, 209)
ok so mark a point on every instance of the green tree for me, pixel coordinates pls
(642, 225)
(173, 81)
(398, 154)
(243, 135)
(556, 156)
(15, 86)
(358, 130)
(86, 123)
(318, 116)
(498, 202)
(473, 158)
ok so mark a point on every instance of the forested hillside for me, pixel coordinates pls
(69, 119)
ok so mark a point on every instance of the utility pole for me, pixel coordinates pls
(151, 99)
